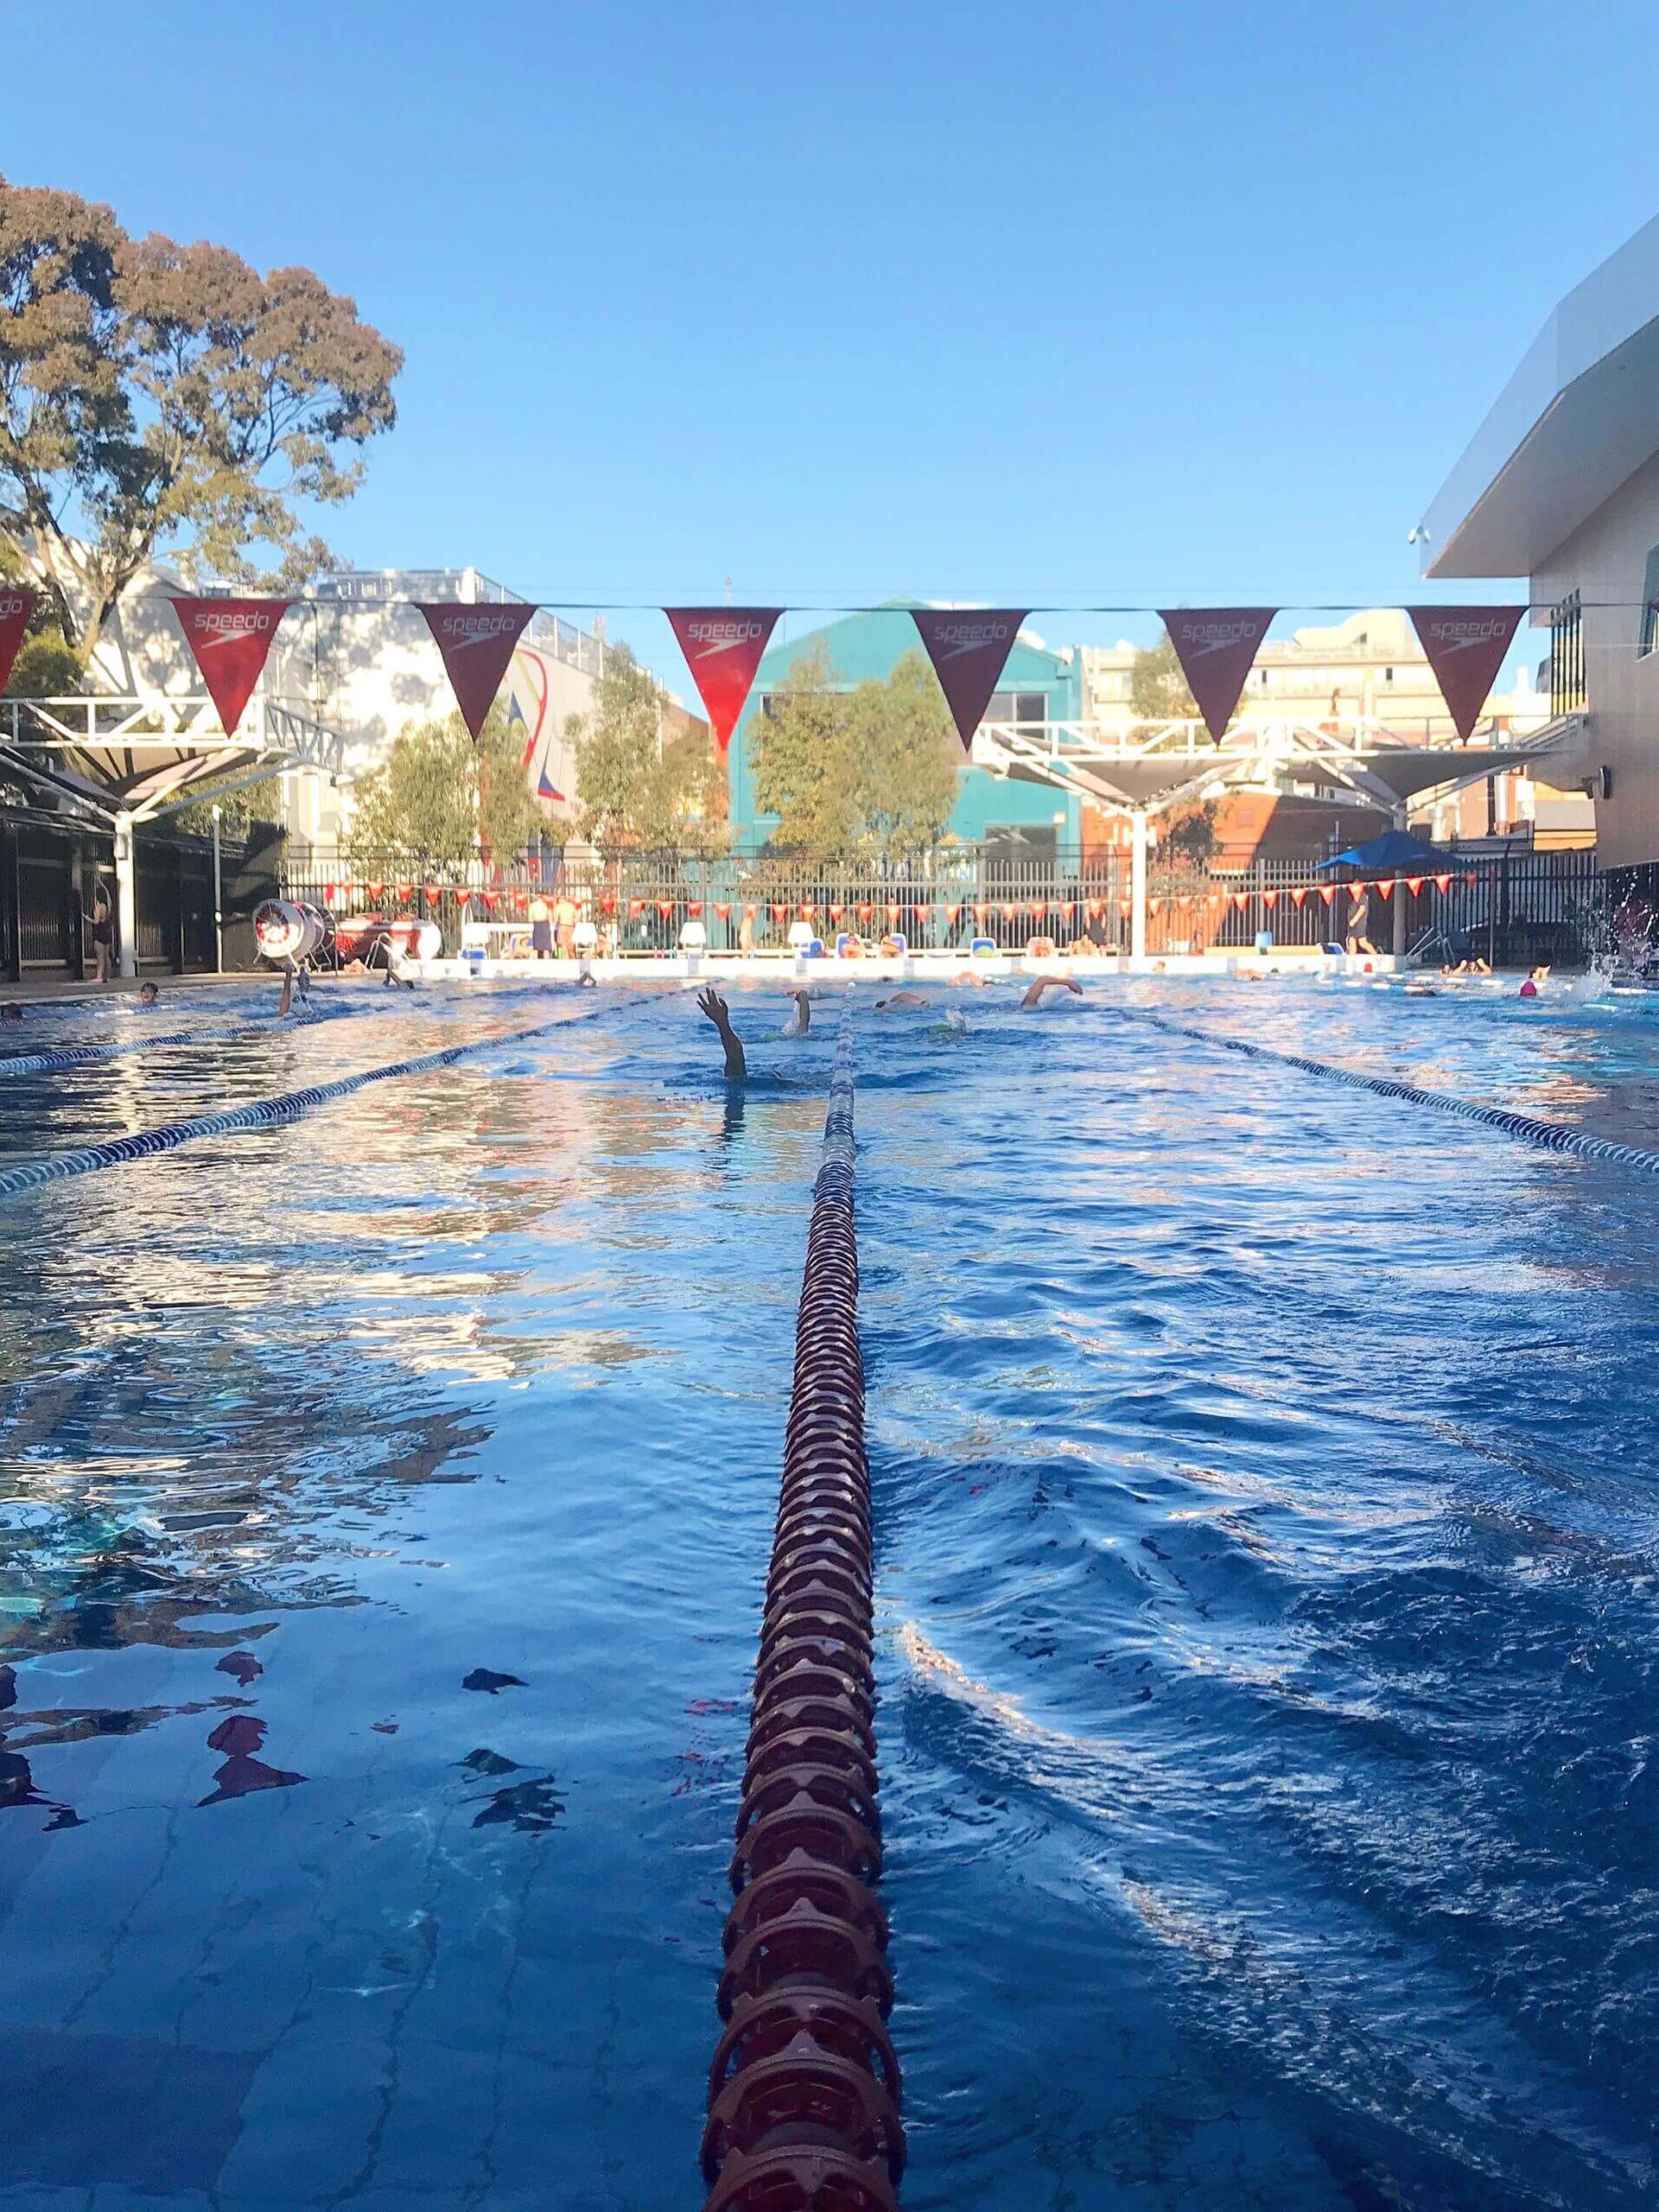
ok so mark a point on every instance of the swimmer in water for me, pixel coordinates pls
(149, 995)
(1533, 987)
(1034, 994)
(714, 1008)
(11, 1011)
(800, 1021)
(898, 1000)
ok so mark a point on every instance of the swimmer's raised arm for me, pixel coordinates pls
(1034, 992)
(710, 1003)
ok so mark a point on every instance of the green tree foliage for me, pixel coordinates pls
(1159, 691)
(163, 398)
(869, 772)
(435, 797)
(1189, 831)
(633, 790)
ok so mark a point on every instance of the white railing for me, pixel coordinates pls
(189, 722)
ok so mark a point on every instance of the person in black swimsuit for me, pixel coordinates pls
(103, 932)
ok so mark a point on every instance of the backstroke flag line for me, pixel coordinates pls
(1215, 646)
(476, 642)
(723, 647)
(230, 639)
(1466, 647)
(969, 648)
(16, 605)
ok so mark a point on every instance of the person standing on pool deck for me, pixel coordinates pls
(541, 928)
(103, 931)
(711, 1004)
(565, 925)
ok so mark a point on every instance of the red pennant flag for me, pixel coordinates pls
(1123, 905)
(1269, 900)
(1185, 899)
(492, 900)
(374, 891)
(463, 897)
(405, 892)
(331, 894)
(666, 907)
(1215, 897)
(1385, 889)
(636, 907)
(1009, 910)
(1299, 896)
(893, 911)
(350, 890)
(968, 651)
(230, 638)
(476, 642)
(694, 906)
(722, 907)
(607, 904)
(750, 911)
(1356, 892)
(1066, 906)
(1413, 884)
(16, 605)
(1465, 646)
(865, 912)
(1215, 646)
(808, 910)
(836, 912)
(982, 911)
(951, 912)
(1240, 899)
(434, 893)
(1442, 883)
(1328, 892)
(723, 647)
(779, 911)
(1153, 905)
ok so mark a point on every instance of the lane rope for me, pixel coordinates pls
(75, 1056)
(262, 1114)
(803, 2090)
(1554, 1136)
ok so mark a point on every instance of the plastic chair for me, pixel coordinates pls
(694, 938)
(800, 936)
(584, 937)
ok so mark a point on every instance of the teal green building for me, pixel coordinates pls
(1037, 686)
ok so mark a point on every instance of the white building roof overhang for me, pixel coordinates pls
(1577, 419)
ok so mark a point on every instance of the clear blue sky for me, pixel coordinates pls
(1065, 301)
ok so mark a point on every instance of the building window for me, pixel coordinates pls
(1017, 706)
(1566, 656)
(1648, 641)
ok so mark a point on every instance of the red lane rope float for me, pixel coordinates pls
(803, 2089)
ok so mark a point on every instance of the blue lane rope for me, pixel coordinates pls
(1555, 1136)
(75, 1056)
(265, 1114)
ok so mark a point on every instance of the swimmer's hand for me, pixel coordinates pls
(1034, 994)
(710, 1003)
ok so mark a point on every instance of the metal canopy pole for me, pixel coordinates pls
(219, 902)
(1138, 884)
(126, 897)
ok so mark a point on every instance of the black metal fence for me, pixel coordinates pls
(51, 870)
(1522, 906)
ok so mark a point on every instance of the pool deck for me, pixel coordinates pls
(929, 967)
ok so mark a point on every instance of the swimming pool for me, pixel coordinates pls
(1266, 1541)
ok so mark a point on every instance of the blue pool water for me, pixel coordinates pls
(1268, 1576)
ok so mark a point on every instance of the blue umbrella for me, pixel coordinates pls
(1397, 854)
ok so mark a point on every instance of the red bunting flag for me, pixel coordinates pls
(434, 893)
(1385, 888)
(1009, 910)
(349, 891)
(750, 911)
(837, 912)
(229, 639)
(1066, 906)
(893, 911)
(1216, 646)
(374, 891)
(808, 910)
(722, 907)
(969, 649)
(1465, 647)
(1240, 899)
(779, 911)
(607, 904)
(636, 907)
(1184, 899)
(723, 647)
(1413, 884)
(981, 911)
(405, 892)
(521, 901)
(491, 900)
(1215, 897)
(476, 642)
(330, 894)
(1356, 892)
(1123, 905)
(865, 912)
(1153, 905)
(1442, 883)
(694, 906)
(666, 907)
(1328, 892)
(17, 606)
(951, 912)
(1270, 900)
(1298, 896)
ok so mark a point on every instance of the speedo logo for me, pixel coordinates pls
(1458, 637)
(720, 637)
(11, 606)
(958, 638)
(476, 629)
(1201, 637)
(223, 627)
